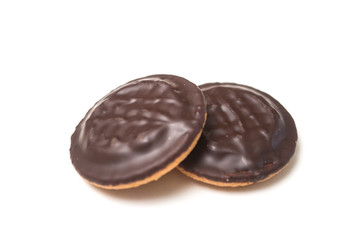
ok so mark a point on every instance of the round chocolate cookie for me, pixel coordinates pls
(248, 137)
(138, 132)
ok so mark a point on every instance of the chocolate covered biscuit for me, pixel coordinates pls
(248, 137)
(138, 132)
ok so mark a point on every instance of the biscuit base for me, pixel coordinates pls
(158, 174)
(225, 184)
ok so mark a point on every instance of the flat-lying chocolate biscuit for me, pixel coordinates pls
(138, 132)
(248, 137)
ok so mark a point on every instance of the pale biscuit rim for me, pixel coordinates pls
(226, 184)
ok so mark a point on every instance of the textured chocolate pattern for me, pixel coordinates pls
(248, 135)
(137, 129)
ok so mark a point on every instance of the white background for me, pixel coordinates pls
(57, 58)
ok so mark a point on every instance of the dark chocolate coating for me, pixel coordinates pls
(137, 129)
(248, 135)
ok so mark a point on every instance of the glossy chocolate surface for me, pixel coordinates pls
(137, 129)
(248, 135)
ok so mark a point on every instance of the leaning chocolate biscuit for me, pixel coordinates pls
(248, 137)
(138, 132)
